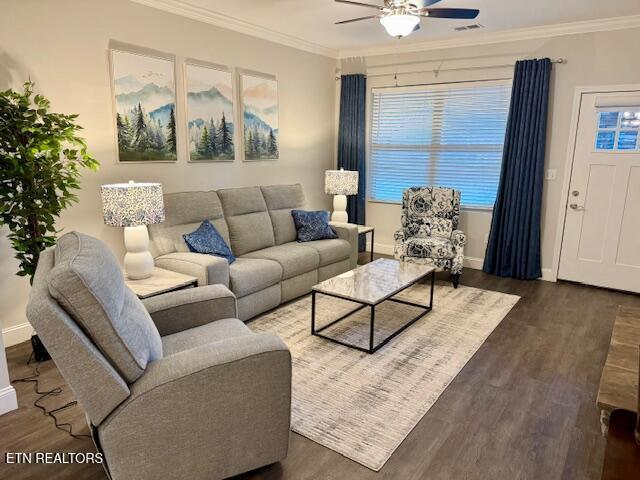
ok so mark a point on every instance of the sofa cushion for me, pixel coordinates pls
(330, 251)
(204, 335)
(294, 258)
(432, 247)
(249, 275)
(206, 239)
(280, 200)
(312, 225)
(88, 283)
(250, 226)
(184, 212)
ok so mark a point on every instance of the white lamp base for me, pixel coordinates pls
(340, 209)
(138, 262)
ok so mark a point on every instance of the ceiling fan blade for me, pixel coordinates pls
(426, 3)
(460, 13)
(357, 19)
(416, 28)
(358, 4)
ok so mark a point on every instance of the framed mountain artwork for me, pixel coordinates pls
(210, 118)
(260, 117)
(144, 94)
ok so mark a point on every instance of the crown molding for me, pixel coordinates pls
(205, 15)
(486, 38)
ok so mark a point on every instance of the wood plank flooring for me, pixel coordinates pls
(524, 407)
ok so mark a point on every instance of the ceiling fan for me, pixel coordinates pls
(402, 17)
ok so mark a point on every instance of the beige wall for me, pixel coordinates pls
(62, 45)
(605, 58)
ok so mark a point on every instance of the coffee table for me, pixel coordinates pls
(370, 285)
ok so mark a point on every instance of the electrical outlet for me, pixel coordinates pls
(551, 174)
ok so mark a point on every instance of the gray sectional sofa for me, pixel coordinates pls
(256, 222)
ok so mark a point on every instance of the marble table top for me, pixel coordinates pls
(374, 282)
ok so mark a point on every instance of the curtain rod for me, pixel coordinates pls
(438, 70)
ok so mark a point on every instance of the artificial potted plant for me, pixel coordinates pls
(42, 157)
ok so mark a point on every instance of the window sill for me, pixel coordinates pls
(464, 208)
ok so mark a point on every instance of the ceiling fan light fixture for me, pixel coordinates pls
(399, 25)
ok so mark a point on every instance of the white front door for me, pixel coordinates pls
(601, 241)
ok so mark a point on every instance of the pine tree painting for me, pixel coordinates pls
(260, 118)
(144, 90)
(209, 113)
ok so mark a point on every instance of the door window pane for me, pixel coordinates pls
(627, 139)
(630, 120)
(606, 140)
(608, 120)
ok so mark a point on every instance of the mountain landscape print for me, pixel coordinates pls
(145, 99)
(209, 113)
(260, 118)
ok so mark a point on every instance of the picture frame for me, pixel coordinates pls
(144, 99)
(210, 106)
(260, 111)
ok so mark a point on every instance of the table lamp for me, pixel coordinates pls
(340, 183)
(134, 206)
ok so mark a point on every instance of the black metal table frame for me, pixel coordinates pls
(372, 306)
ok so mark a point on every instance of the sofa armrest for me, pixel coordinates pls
(348, 232)
(224, 408)
(458, 239)
(208, 269)
(184, 309)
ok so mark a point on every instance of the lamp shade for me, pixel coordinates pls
(132, 204)
(400, 25)
(341, 182)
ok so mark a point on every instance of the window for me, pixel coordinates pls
(618, 130)
(448, 135)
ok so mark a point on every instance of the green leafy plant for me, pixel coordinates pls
(42, 157)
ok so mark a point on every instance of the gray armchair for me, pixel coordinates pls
(176, 387)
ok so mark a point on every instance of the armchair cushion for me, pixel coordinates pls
(204, 334)
(184, 309)
(432, 247)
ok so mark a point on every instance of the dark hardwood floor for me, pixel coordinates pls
(524, 407)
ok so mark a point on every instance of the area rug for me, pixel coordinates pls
(363, 406)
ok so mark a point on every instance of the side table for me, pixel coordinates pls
(161, 281)
(363, 230)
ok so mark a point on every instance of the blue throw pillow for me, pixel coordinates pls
(312, 225)
(206, 239)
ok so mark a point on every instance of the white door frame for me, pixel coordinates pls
(568, 167)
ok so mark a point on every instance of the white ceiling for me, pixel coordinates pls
(313, 20)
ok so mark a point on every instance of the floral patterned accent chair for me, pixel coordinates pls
(429, 233)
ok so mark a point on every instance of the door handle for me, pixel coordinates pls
(575, 206)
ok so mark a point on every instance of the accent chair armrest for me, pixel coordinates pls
(201, 410)
(208, 269)
(348, 232)
(184, 309)
(458, 239)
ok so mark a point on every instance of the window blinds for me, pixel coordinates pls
(448, 135)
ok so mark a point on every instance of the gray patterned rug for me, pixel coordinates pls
(363, 406)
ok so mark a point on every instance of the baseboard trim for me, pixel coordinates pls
(469, 262)
(8, 400)
(16, 334)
